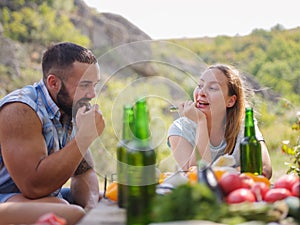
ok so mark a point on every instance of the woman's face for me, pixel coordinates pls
(211, 94)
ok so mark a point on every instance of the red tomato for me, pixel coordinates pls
(286, 181)
(259, 189)
(248, 182)
(277, 194)
(230, 182)
(240, 195)
(296, 189)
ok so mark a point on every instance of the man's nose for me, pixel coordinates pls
(91, 93)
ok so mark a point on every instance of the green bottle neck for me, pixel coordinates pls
(249, 123)
(127, 134)
(141, 122)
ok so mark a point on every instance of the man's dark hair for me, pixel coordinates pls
(59, 57)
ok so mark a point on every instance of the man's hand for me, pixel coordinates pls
(90, 125)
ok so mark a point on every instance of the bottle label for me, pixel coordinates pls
(141, 175)
(250, 156)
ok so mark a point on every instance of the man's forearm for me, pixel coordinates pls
(85, 189)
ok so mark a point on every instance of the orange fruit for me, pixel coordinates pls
(258, 178)
(192, 174)
(112, 191)
(163, 176)
(219, 174)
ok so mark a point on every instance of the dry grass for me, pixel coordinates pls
(278, 160)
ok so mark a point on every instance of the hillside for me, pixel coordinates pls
(21, 49)
(102, 32)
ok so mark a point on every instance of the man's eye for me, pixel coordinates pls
(84, 85)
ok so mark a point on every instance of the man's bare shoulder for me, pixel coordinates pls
(18, 116)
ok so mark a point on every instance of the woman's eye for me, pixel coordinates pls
(213, 88)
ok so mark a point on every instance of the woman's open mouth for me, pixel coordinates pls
(202, 104)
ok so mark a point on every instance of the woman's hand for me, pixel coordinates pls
(189, 110)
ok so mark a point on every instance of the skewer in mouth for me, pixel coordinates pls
(173, 108)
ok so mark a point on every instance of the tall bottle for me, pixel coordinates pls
(250, 149)
(141, 161)
(122, 150)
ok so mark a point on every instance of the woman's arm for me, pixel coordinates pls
(182, 152)
(202, 141)
(202, 137)
(266, 161)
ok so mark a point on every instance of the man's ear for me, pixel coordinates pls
(231, 101)
(53, 82)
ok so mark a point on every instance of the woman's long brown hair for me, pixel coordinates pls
(234, 114)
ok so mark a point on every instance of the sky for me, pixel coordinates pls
(165, 19)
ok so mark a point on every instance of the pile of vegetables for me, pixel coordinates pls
(246, 197)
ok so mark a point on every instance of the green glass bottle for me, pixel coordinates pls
(141, 169)
(250, 149)
(122, 150)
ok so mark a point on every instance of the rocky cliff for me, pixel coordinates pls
(105, 30)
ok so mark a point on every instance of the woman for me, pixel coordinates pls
(213, 123)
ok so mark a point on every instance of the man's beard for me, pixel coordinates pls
(65, 103)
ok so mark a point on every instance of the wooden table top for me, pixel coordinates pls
(106, 213)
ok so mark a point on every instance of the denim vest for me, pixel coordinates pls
(55, 135)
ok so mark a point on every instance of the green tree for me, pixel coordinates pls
(42, 23)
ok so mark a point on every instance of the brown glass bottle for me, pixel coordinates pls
(250, 149)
